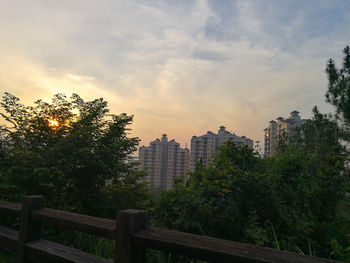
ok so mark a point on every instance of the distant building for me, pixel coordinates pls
(165, 161)
(279, 128)
(204, 147)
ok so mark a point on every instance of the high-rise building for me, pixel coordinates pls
(165, 161)
(204, 147)
(279, 128)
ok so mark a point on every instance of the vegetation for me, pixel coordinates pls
(72, 152)
(287, 202)
(339, 91)
(6, 258)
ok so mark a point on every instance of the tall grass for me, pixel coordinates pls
(98, 246)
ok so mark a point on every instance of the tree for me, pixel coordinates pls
(74, 153)
(223, 200)
(313, 174)
(338, 93)
(290, 199)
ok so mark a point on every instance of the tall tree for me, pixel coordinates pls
(73, 152)
(338, 93)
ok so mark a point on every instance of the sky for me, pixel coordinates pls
(181, 67)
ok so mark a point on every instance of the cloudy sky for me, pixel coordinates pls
(181, 67)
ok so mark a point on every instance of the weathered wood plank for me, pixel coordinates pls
(8, 239)
(93, 225)
(10, 208)
(130, 221)
(29, 230)
(47, 251)
(217, 250)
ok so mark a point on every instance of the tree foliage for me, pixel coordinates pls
(217, 201)
(73, 152)
(288, 201)
(338, 93)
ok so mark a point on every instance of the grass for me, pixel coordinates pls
(98, 246)
(7, 258)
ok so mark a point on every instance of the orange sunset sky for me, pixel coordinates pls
(180, 67)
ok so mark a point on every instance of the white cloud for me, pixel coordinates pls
(182, 67)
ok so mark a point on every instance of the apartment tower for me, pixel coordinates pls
(165, 161)
(279, 128)
(204, 147)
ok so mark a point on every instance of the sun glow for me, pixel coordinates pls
(53, 123)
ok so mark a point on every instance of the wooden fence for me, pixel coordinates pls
(132, 235)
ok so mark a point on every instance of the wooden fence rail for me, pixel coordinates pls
(132, 235)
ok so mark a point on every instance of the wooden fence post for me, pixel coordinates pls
(128, 222)
(29, 229)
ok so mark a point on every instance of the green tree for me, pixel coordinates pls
(338, 93)
(290, 199)
(223, 200)
(73, 152)
(312, 175)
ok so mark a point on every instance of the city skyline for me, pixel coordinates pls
(180, 67)
(165, 160)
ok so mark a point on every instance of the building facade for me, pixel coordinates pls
(165, 161)
(279, 128)
(204, 147)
